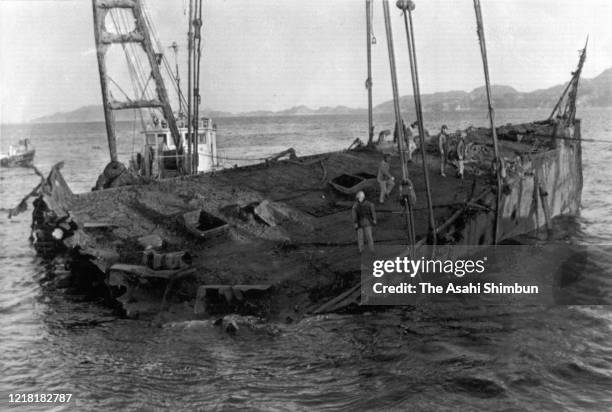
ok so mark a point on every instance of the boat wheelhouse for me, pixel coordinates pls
(160, 158)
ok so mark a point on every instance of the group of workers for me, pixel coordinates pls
(458, 154)
(412, 142)
(364, 212)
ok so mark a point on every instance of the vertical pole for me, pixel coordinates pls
(398, 122)
(196, 90)
(99, 16)
(396, 106)
(189, 84)
(419, 112)
(369, 79)
(485, 63)
(499, 162)
(177, 77)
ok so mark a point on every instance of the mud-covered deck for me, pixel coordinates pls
(287, 227)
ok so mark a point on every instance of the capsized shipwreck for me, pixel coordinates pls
(275, 239)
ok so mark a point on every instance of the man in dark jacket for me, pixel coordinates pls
(364, 217)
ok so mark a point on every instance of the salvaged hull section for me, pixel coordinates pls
(540, 186)
(276, 239)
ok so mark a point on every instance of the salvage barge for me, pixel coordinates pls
(275, 239)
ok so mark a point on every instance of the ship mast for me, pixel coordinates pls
(194, 54)
(189, 79)
(197, 56)
(140, 35)
(569, 113)
(369, 41)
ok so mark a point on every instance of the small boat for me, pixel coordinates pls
(20, 156)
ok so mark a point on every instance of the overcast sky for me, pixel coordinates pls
(274, 54)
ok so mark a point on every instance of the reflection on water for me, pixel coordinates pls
(429, 358)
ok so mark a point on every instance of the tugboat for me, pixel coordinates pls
(20, 156)
(274, 239)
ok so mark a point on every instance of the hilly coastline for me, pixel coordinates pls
(596, 92)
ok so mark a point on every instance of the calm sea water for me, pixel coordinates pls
(432, 359)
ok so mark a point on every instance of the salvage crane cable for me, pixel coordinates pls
(133, 77)
(408, 5)
(167, 66)
(135, 69)
(405, 199)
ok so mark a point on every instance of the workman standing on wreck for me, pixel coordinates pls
(364, 217)
(385, 180)
(411, 135)
(443, 148)
(461, 151)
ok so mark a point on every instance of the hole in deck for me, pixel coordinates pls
(206, 221)
(347, 180)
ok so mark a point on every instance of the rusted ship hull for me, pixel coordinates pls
(287, 244)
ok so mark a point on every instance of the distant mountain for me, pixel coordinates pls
(92, 113)
(326, 110)
(95, 113)
(596, 92)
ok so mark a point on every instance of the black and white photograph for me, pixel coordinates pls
(324, 205)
